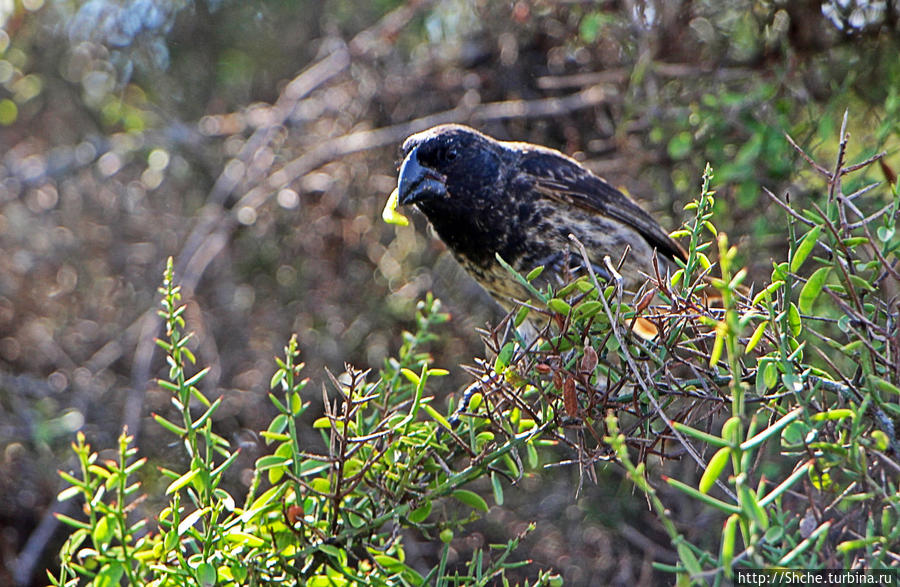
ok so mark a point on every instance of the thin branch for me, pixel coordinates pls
(808, 159)
(861, 164)
(788, 208)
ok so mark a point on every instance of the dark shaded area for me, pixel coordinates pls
(185, 129)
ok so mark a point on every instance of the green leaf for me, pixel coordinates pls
(533, 457)
(68, 493)
(103, 532)
(471, 499)
(276, 378)
(787, 483)
(188, 523)
(267, 462)
(270, 437)
(779, 272)
(320, 485)
(584, 285)
(820, 480)
(244, 538)
(882, 442)
(855, 241)
(844, 323)
(71, 479)
(756, 336)
(437, 417)
(207, 414)
(559, 306)
(296, 404)
(835, 414)
(325, 581)
(728, 540)
(770, 375)
(884, 385)
(483, 438)
(805, 248)
(504, 356)
(703, 497)
(207, 574)
(410, 375)
(747, 499)
(718, 345)
(167, 386)
(388, 562)
(761, 367)
(497, 487)
(689, 559)
(794, 321)
(591, 26)
(700, 435)
(732, 430)
(806, 543)
(182, 481)
(849, 545)
(771, 430)
(774, 533)
(323, 422)
(521, 315)
(714, 469)
(587, 308)
(860, 282)
(277, 403)
(275, 474)
(537, 295)
(534, 273)
(767, 292)
(812, 288)
(196, 378)
(110, 575)
(263, 501)
(278, 425)
(332, 551)
(794, 435)
(421, 513)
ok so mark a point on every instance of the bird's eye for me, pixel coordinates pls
(451, 154)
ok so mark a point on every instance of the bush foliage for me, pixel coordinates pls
(783, 395)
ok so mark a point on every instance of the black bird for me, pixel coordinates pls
(486, 197)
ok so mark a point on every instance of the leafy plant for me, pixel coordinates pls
(785, 397)
(331, 518)
(793, 387)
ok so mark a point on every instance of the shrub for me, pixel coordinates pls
(793, 386)
(330, 518)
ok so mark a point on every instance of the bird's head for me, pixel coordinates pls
(448, 166)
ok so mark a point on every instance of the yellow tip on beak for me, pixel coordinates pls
(390, 214)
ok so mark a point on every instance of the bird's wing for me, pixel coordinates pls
(562, 179)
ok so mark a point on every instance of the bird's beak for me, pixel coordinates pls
(418, 183)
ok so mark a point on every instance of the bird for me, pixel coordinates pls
(487, 198)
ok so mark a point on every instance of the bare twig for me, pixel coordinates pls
(788, 208)
(807, 158)
(861, 164)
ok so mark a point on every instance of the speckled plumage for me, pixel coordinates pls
(486, 197)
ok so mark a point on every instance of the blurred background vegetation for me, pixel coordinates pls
(256, 141)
